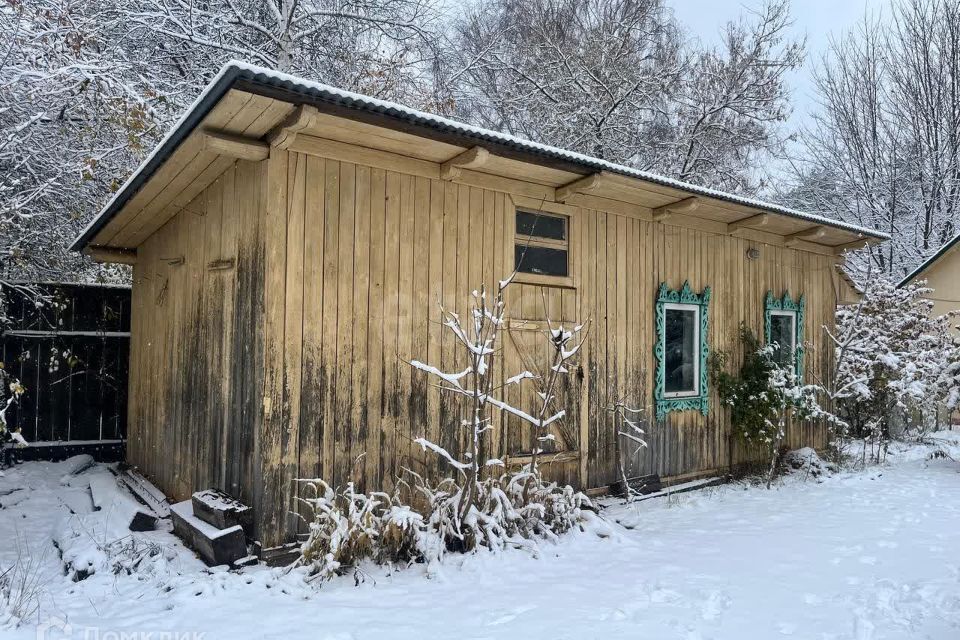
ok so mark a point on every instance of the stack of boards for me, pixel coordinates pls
(127, 496)
(214, 525)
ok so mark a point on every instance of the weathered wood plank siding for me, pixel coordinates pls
(196, 362)
(356, 260)
(275, 314)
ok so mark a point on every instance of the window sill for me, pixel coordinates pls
(560, 282)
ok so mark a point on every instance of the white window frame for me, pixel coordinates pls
(793, 334)
(697, 346)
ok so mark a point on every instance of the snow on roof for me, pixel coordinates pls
(235, 71)
(929, 261)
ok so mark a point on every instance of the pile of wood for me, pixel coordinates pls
(214, 525)
(109, 496)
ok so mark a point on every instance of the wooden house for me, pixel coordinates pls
(941, 272)
(290, 241)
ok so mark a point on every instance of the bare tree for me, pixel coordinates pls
(87, 87)
(592, 76)
(73, 116)
(733, 102)
(615, 79)
(884, 147)
(377, 47)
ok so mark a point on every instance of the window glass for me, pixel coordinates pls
(783, 332)
(541, 246)
(681, 353)
(539, 225)
(542, 260)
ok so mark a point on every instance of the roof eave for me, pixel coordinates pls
(194, 115)
(295, 90)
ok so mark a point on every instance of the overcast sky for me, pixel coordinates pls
(817, 19)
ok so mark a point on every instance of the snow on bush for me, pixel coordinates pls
(349, 527)
(481, 504)
(894, 359)
(764, 395)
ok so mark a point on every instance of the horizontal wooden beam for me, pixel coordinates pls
(345, 152)
(810, 235)
(469, 159)
(224, 144)
(686, 205)
(586, 184)
(752, 222)
(112, 255)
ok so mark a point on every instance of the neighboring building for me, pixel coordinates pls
(290, 242)
(942, 273)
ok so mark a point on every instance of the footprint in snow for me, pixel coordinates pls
(664, 595)
(715, 604)
(871, 560)
(510, 616)
(787, 628)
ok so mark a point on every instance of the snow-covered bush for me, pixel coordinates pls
(482, 505)
(344, 529)
(489, 506)
(764, 395)
(348, 527)
(894, 359)
(805, 461)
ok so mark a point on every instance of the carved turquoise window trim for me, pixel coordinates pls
(684, 295)
(786, 303)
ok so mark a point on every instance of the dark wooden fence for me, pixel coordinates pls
(70, 352)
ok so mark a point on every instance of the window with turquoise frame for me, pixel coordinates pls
(681, 350)
(783, 326)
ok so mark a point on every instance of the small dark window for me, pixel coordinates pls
(681, 350)
(543, 260)
(538, 225)
(542, 244)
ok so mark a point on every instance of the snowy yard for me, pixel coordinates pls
(866, 556)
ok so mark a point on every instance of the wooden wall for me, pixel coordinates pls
(196, 346)
(293, 363)
(357, 258)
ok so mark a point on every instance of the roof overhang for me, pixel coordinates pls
(246, 109)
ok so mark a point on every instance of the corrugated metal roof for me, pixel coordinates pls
(252, 76)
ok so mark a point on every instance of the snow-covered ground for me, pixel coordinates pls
(861, 555)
